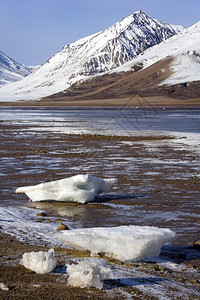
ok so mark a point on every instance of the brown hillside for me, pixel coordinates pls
(139, 82)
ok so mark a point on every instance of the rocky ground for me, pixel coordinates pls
(21, 283)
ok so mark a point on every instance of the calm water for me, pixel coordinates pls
(118, 121)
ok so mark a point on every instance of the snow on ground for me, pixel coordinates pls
(161, 288)
(129, 281)
(21, 222)
(79, 188)
(40, 262)
(187, 140)
(125, 243)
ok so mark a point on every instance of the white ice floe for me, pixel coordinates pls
(88, 273)
(125, 243)
(79, 188)
(40, 262)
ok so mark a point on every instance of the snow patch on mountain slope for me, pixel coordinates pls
(11, 71)
(184, 48)
(185, 68)
(91, 56)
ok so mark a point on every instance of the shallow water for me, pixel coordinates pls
(158, 178)
(122, 121)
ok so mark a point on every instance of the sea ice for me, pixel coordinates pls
(125, 243)
(88, 273)
(79, 188)
(40, 262)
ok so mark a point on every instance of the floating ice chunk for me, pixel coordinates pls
(79, 188)
(88, 273)
(40, 262)
(125, 243)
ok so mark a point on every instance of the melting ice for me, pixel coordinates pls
(88, 273)
(40, 262)
(125, 243)
(79, 188)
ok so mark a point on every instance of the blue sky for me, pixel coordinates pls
(33, 30)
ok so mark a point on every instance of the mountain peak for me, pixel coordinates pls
(94, 55)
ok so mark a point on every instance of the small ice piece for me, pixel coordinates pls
(125, 243)
(3, 287)
(88, 273)
(79, 188)
(40, 262)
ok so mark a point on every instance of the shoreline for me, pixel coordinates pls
(123, 103)
(146, 188)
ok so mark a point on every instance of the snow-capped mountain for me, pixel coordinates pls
(93, 55)
(174, 62)
(11, 71)
(184, 50)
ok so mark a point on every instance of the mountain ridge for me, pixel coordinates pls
(93, 55)
(11, 71)
(170, 68)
